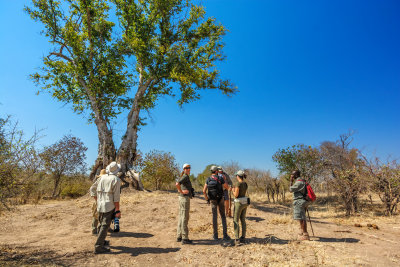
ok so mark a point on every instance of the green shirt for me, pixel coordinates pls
(185, 183)
(242, 188)
(298, 189)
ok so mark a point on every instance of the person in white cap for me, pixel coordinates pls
(106, 190)
(185, 189)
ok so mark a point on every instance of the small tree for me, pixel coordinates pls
(304, 158)
(258, 179)
(385, 181)
(18, 161)
(159, 169)
(65, 157)
(231, 168)
(344, 168)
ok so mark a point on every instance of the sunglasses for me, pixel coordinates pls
(187, 168)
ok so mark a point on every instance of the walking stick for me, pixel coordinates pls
(230, 204)
(309, 219)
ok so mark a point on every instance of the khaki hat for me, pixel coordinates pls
(220, 168)
(240, 173)
(113, 168)
(185, 165)
(213, 168)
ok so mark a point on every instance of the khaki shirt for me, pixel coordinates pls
(107, 189)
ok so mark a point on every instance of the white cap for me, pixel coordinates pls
(185, 165)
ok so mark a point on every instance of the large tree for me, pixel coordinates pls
(103, 67)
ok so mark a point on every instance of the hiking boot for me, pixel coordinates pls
(94, 231)
(186, 241)
(226, 238)
(106, 243)
(242, 240)
(101, 250)
(215, 237)
(178, 239)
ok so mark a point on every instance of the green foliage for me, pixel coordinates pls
(159, 170)
(75, 186)
(86, 63)
(174, 49)
(304, 158)
(202, 177)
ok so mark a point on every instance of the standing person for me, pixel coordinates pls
(185, 189)
(299, 202)
(213, 192)
(95, 220)
(228, 181)
(240, 208)
(106, 190)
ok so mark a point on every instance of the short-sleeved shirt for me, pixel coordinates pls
(185, 183)
(298, 189)
(107, 188)
(242, 188)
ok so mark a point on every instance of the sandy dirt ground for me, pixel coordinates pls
(58, 233)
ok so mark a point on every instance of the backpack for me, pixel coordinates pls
(309, 195)
(215, 191)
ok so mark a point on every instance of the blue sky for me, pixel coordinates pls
(307, 72)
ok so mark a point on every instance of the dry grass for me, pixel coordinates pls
(149, 226)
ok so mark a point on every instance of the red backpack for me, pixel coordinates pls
(310, 195)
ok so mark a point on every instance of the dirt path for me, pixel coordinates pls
(59, 233)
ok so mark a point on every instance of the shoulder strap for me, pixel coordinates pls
(216, 179)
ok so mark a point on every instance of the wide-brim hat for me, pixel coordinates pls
(213, 168)
(113, 168)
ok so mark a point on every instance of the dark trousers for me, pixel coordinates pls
(105, 222)
(221, 207)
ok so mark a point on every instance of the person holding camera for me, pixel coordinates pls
(240, 208)
(106, 191)
(213, 192)
(186, 191)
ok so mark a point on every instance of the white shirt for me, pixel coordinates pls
(107, 188)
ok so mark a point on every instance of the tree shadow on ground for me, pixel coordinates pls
(268, 239)
(136, 251)
(337, 240)
(276, 209)
(256, 219)
(21, 256)
(129, 234)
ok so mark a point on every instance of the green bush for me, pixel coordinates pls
(75, 188)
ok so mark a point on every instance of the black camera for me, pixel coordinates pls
(192, 190)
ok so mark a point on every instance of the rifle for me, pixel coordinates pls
(230, 203)
(309, 219)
